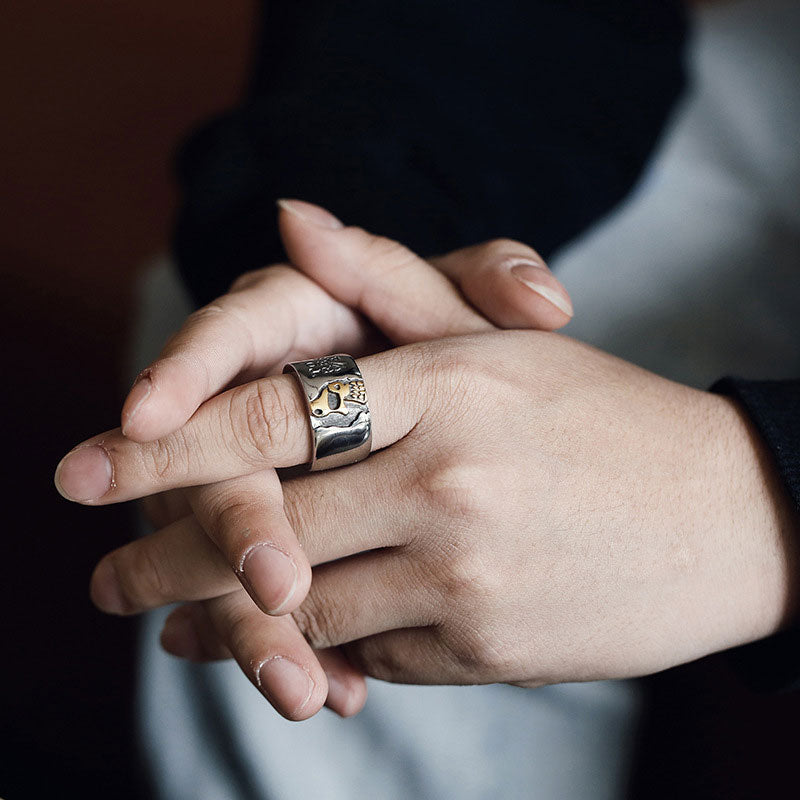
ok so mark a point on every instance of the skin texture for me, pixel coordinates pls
(539, 512)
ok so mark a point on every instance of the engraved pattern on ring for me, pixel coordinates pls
(336, 398)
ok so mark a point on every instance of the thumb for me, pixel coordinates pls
(510, 283)
(410, 299)
(405, 297)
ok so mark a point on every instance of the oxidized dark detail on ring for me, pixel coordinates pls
(337, 403)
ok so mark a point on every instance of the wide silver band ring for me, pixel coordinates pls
(337, 407)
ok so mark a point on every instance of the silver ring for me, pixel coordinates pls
(337, 407)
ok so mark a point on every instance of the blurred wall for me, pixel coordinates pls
(95, 96)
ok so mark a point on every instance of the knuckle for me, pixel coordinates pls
(262, 277)
(381, 252)
(475, 652)
(381, 248)
(379, 662)
(466, 576)
(229, 313)
(458, 373)
(458, 491)
(247, 279)
(318, 623)
(211, 311)
(231, 520)
(168, 458)
(220, 314)
(227, 509)
(260, 419)
(461, 574)
(502, 248)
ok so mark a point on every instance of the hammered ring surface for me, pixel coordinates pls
(337, 406)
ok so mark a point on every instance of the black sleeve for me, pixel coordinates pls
(774, 407)
(439, 124)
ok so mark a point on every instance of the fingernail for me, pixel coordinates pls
(308, 212)
(105, 589)
(280, 677)
(180, 638)
(271, 575)
(84, 474)
(530, 274)
(137, 397)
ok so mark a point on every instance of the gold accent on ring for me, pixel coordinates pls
(332, 396)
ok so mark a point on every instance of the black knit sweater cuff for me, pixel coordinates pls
(774, 408)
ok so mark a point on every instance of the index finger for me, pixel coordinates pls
(249, 329)
(261, 424)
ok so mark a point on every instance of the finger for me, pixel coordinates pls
(407, 298)
(188, 633)
(510, 283)
(244, 528)
(252, 427)
(347, 689)
(364, 595)
(272, 653)
(260, 525)
(411, 655)
(251, 329)
(164, 508)
(246, 520)
(177, 563)
(342, 512)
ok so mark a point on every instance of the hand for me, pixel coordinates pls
(346, 291)
(542, 512)
(282, 313)
(386, 281)
(609, 524)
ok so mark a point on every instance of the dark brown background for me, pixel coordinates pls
(94, 97)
